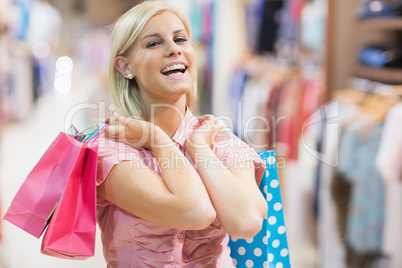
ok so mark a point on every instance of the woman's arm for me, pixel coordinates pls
(234, 193)
(178, 200)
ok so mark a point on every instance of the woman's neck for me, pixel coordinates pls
(168, 116)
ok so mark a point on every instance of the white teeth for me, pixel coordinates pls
(175, 74)
(174, 67)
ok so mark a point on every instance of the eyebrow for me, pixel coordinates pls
(158, 35)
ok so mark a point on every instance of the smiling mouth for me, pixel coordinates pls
(174, 70)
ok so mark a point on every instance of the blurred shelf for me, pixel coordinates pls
(384, 75)
(381, 23)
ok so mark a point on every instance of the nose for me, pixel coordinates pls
(173, 49)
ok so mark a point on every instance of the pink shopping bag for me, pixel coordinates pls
(71, 231)
(35, 200)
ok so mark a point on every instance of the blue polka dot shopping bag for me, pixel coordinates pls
(269, 248)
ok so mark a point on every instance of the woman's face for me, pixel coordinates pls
(163, 60)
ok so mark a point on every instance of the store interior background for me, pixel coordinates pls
(295, 63)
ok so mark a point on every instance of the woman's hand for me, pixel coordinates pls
(226, 186)
(205, 133)
(133, 132)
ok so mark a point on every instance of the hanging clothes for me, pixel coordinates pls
(331, 247)
(254, 12)
(236, 89)
(358, 150)
(389, 163)
(255, 96)
(202, 21)
(269, 26)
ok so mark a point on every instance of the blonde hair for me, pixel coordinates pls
(124, 92)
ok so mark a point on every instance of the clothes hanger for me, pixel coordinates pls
(350, 94)
(374, 106)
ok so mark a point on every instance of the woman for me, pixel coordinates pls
(170, 188)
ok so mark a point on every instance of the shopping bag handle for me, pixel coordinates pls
(83, 133)
(70, 130)
(92, 138)
(84, 136)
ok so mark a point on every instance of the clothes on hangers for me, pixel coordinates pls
(357, 153)
(389, 164)
(366, 219)
(330, 244)
(280, 97)
(269, 26)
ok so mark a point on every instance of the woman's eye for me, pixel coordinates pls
(153, 44)
(180, 39)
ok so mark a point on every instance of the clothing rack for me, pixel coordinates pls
(359, 187)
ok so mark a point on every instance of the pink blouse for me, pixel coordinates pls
(130, 241)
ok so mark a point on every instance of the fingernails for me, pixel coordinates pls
(225, 130)
(219, 121)
(114, 123)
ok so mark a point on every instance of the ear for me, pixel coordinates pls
(122, 65)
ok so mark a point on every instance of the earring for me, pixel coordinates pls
(130, 76)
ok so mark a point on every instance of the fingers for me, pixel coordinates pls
(116, 126)
(114, 131)
(208, 128)
(217, 130)
(209, 123)
(212, 119)
(119, 120)
(216, 127)
(130, 131)
(205, 118)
